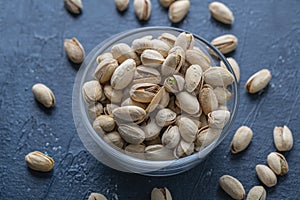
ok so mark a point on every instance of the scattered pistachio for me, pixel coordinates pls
(44, 95)
(38, 161)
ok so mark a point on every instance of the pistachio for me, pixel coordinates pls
(106, 122)
(123, 75)
(152, 58)
(122, 5)
(193, 77)
(178, 10)
(198, 57)
(185, 41)
(96, 196)
(143, 92)
(225, 43)
(208, 100)
(234, 65)
(146, 75)
(165, 117)
(218, 76)
(74, 50)
(122, 52)
(283, 138)
(221, 12)
(151, 129)
(165, 99)
(135, 148)
(154, 141)
(73, 6)
(155, 100)
(266, 175)
(161, 193)
(95, 110)
(158, 152)
(257, 193)
(174, 83)
(223, 107)
(105, 70)
(168, 38)
(187, 128)
(131, 133)
(241, 139)
(115, 139)
(142, 9)
(129, 113)
(38, 161)
(114, 96)
(173, 62)
(44, 95)
(258, 81)
(166, 3)
(206, 136)
(278, 163)
(103, 56)
(184, 149)
(232, 186)
(130, 102)
(139, 45)
(187, 102)
(171, 137)
(109, 108)
(91, 91)
(218, 119)
(222, 94)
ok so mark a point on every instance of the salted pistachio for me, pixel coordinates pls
(171, 137)
(197, 57)
(206, 136)
(130, 102)
(184, 149)
(122, 52)
(174, 83)
(114, 96)
(165, 117)
(225, 43)
(223, 95)
(192, 118)
(141, 44)
(123, 75)
(257, 193)
(155, 100)
(95, 110)
(218, 118)
(165, 99)
(258, 81)
(142, 9)
(154, 141)
(193, 77)
(185, 41)
(114, 138)
(131, 133)
(103, 56)
(135, 148)
(158, 152)
(221, 12)
(166, 3)
(178, 10)
(151, 58)
(106, 122)
(187, 102)
(122, 5)
(105, 70)
(266, 175)
(109, 108)
(151, 129)
(161, 193)
(278, 163)
(91, 91)
(143, 92)
(234, 65)
(232, 186)
(96, 196)
(146, 75)
(208, 100)
(218, 77)
(73, 6)
(283, 138)
(173, 61)
(38, 161)
(168, 38)
(74, 50)
(187, 129)
(241, 139)
(129, 113)
(44, 95)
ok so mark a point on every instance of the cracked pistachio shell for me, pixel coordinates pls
(187, 129)
(103, 56)
(258, 81)
(91, 91)
(174, 83)
(105, 70)
(129, 113)
(122, 52)
(283, 138)
(218, 77)
(161, 194)
(115, 139)
(73, 6)
(114, 96)
(257, 193)
(158, 152)
(96, 196)
(44, 95)
(146, 75)
(225, 43)
(198, 57)
(171, 137)
(151, 58)
(241, 139)
(184, 149)
(232, 186)
(122, 5)
(131, 133)
(142, 9)
(168, 38)
(266, 175)
(123, 75)
(165, 117)
(173, 61)
(106, 122)
(178, 10)
(165, 99)
(218, 118)
(151, 129)
(38, 161)
(206, 136)
(193, 77)
(74, 50)
(234, 65)
(221, 12)
(223, 95)
(130, 102)
(208, 100)
(278, 163)
(95, 110)
(156, 100)
(143, 92)
(141, 44)
(185, 41)
(187, 102)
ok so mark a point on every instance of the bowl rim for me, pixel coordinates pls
(118, 154)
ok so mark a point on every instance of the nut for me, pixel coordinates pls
(174, 84)
(152, 58)
(105, 122)
(171, 137)
(114, 96)
(222, 94)
(38, 161)
(208, 100)
(122, 5)
(166, 3)
(161, 194)
(143, 92)
(103, 56)
(241, 139)
(129, 113)
(198, 57)
(131, 133)
(258, 81)
(218, 76)
(44, 95)
(74, 50)
(168, 38)
(91, 91)
(105, 70)
(178, 10)
(187, 129)
(221, 12)
(266, 175)
(218, 119)
(188, 103)
(225, 43)
(158, 152)
(278, 163)
(193, 77)
(115, 139)
(73, 6)
(165, 117)
(146, 75)
(283, 138)
(142, 9)
(97, 196)
(122, 52)
(257, 193)
(234, 65)
(232, 187)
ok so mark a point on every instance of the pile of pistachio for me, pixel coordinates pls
(159, 99)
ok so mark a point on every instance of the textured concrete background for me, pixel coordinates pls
(31, 50)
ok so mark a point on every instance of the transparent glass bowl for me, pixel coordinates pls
(110, 156)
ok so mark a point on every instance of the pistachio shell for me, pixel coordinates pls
(135, 148)
(161, 194)
(139, 45)
(115, 139)
(91, 91)
(241, 139)
(225, 43)
(142, 9)
(38, 161)
(103, 56)
(266, 175)
(74, 50)
(105, 70)
(206, 136)
(178, 10)
(122, 52)
(188, 103)
(109, 108)
(193, 77)
(218, 76)
(218, 119)
(156, 100)
(73, 6)
(144, 92)
(168, 38)
(129, 113)
(130, 102)
(166, 3)
(106, 122)
(257, 193)
(185, 41)
(234, 65)
(165, 117)
(122, 5)
(95, 110)
(158, 152)
(278, 163)
(171, 137)
(165, 99)
(151, 58)
(146, 75)
(283, 138)
(131, 133)
(221, 12)
(151, 129)
(174, 83)
(258, 81)
(187, 128)
(97, 196)
(173, 62)
(184, 149)
(114, 96)
(222, 94)
(44, 95)
(232, 187)
(198, 57)
(208, 100)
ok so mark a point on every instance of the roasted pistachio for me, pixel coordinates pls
(38, 161)
(222, 94)
(142, 9)
(165, 117)
(115, 139)
(144, 92)
(168, 38)
(173, 62)
(185, 41)
(73, 6)
(158, 152)
(193, 77)
(218, 119)
(129, 113)
(151, 58)
(221, 12)
(208, 100)
(131, 133)
(96, 196)
(266, 175)
(44, 95)
(283, 138)
(106, 122)
(139, 45)
(218, 76)
(122, 5)
(174, 83)
(225, 43)
(241, 139)
(122, 52)
(188, 103)
(103, 56)
(257, 193)
(151, 129)
(234, 65)
(161, 194)
(187, 128)
(105, 70)
(74, 50)
(146, 75)
(114, 96)
(171, 137)
(91, 91)
(178, 10)
(232, 187)
(278, 163)
(258, 81)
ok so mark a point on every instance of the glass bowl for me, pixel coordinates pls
(118, 160)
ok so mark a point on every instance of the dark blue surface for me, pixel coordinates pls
(31, 50)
